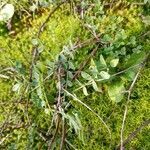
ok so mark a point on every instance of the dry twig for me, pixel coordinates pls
(41, 29)
(128, 100)
(134, 133)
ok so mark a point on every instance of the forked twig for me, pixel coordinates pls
(50, 144)
(134, 133)
(41, 29)
(58, 108)
(128, 100)
(126, 108)
(35, 49)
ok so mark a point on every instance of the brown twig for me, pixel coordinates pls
(41, 29)
(10, 129)
(13, 102)
(126, 108)
(139, 4)
(2, 128)
(35, 48)
(63, 134)
(134, 133)
(58, 107)
(48, 17)
(50, 144)
(128, 100)
(87, 42)
(59, 100)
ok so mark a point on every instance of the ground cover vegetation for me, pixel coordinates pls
(74, 74)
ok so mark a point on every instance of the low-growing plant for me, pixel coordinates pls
(68, 68)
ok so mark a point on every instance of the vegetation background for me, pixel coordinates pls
(74, 74)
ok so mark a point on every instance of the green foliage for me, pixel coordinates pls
(112, 113)
(40, 97)
(115, 91)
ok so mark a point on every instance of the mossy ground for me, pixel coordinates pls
(62, 29)
(95, 134)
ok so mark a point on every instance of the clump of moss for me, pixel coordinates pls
(61, 30)
(95, 134)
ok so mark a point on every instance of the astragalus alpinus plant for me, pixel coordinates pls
(74, 74)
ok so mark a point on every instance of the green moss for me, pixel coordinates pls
(95, 134)
(61, 30)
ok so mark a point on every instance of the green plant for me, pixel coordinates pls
(65, 70)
